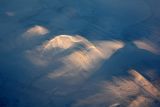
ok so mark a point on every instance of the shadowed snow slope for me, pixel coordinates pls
(77, 53)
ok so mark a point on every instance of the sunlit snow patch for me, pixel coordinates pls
(79, 57)
(35, 31)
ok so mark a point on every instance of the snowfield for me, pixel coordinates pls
(79, 53)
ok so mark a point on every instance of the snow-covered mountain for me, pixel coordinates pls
(79, 53)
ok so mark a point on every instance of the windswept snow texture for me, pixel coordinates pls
(79, 53)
